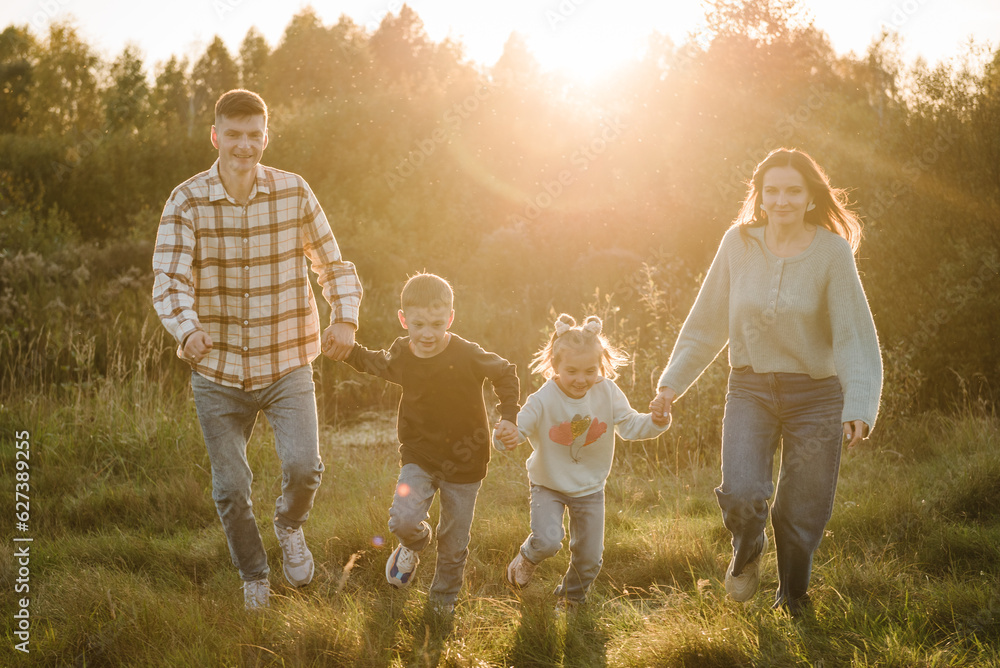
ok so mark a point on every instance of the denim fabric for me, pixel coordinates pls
(586, 536)
(227, 417)
(408, 517)
(803, 415)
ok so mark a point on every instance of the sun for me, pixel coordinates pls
(580, 51)
(580, 57)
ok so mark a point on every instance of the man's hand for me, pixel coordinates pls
(854, 432)
(338, 340)
(660, 406)
(198, 345)
(506, 431)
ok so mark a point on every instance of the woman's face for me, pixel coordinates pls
(785, 196)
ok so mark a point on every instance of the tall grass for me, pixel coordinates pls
(130, 567)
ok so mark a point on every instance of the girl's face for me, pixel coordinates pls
(577, 371)
(785, 196)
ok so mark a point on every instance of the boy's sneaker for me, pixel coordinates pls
(519, 571)
(565, 606)
(742, 587)
(401, 566)
(256, 594)
(442, 609)
(296, 559)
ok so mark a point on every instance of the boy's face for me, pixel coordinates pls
(428, 328)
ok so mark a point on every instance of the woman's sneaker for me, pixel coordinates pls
(401, 566)
(742, 587)
(256, 594)
(519, 571)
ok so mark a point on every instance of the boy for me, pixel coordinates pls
(443, 431)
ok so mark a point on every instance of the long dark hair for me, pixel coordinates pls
(831, 209)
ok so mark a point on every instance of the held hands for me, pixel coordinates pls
(198, 345)
(659, 407)
(338, 340)
(505, 432)
(854, 432)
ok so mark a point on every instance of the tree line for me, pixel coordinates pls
(535, 194)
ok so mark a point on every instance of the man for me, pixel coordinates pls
(231, 284)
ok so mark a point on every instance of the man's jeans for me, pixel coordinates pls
(227, 417)
(804, 415)
(408, 522)
(586, 536)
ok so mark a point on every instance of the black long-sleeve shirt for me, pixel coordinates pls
(442, 423)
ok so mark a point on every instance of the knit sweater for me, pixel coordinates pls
(803, 314)
(572, 446)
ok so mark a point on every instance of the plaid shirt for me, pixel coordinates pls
(239, 273)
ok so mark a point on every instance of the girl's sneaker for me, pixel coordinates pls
(256, 594)
(742, 587)
(519, 571)
(401, 566)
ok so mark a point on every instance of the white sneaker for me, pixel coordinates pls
(565, 606)
(519, 571)
(442, 609)
(742, 587)
(401, 566)
(256, 594)
(296, 559)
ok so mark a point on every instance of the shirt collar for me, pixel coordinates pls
(217, 191)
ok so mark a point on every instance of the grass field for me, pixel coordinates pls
(129, 565)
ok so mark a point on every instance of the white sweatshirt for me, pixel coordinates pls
(573, 448)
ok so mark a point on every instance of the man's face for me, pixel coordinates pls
(241, 142)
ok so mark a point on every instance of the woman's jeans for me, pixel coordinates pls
(227, 416)
(803, 415)
(586, 536)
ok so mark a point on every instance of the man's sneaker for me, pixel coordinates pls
(296, 559)
(401, 566)
(742, 587)
(519, 571)
(256, 594)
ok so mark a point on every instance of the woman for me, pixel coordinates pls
(784, 292)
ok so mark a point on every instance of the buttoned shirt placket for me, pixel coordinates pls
(245, 289)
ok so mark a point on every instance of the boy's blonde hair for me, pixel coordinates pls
(567, 335)
(425, 290)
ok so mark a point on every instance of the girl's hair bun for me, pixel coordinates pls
(592, 325)
(564, 323)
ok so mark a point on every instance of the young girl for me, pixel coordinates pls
(567, 423)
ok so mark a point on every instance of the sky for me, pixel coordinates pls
(584, 38)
